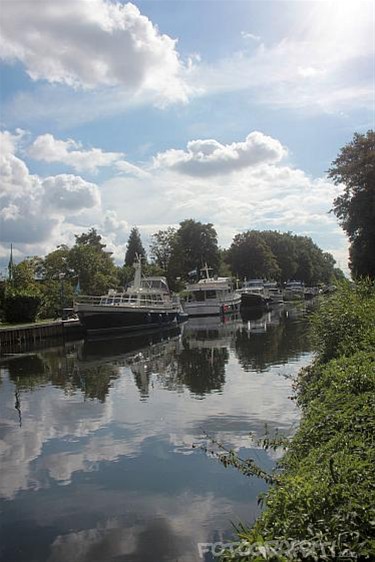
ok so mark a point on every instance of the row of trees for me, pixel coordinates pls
(89, 268)
(266, 254)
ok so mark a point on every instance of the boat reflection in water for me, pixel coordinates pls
(145, 353)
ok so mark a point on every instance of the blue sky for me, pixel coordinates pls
(230, 112)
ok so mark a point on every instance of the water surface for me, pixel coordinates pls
(96, 457)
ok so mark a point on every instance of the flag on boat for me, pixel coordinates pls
(193, 273)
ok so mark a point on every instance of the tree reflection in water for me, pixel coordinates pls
(276, 336)
(194, 356)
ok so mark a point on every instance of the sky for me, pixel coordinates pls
(116, 115)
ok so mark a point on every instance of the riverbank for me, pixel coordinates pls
(321, 504)
(18, 338)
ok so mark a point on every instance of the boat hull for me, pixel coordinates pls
(253, 299)
(211, 309)
(98, 320)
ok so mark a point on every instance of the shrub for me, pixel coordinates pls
(325, 493)
(345, 322)
(21, 307)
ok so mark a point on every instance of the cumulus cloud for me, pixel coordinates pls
(266, 194)
(69, 193)
(47, 148)
(33, 208)
(90, 44)
(209, 157)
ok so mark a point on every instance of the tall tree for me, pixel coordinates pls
(94, 267)
(283, 247)
(355, 207)
(196, 244)
(250, 256)
(90, 238)
(134, 247)
(161, 247)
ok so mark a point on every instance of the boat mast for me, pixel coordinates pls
(206, 270)
(138, 272)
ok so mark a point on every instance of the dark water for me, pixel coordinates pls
(96, 457)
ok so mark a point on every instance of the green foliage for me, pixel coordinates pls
(134, 247)
(250, 256)
(281, 256)
(21, 306)
(125, 275)
(24, 275)
(196, 244)
(355, 207)
(90, 238)
(345, 322)
(162, 246)
(91, 264)
(283, 247)
(324, 498)
(55, 297)
(55, 263)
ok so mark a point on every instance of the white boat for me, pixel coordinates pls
(294, 290)
(273, 292)
(253, 293)
(147, 304)
(211, 296)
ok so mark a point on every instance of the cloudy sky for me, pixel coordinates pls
(146, 113)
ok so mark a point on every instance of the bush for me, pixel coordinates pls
(345, 322)
(21, 307)
(325, 493)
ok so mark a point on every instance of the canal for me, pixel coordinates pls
(96, 438)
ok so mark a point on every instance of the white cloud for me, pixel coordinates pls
(33, 208)
(69, 193)
(47, 148)
(90, 44)
(268, 195)
(209, 157)
(248, 35)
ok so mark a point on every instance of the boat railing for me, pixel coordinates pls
(126, 299)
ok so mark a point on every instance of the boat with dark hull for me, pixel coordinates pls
(146, 305)
(253, 294)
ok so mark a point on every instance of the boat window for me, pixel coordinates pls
(133, 298)
(199, 296)
(211, 294)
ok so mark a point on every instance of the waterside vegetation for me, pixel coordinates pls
(323, 494)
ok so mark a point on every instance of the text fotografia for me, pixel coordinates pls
(294, 550)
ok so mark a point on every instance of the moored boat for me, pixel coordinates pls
(211, 296)
(294, 290)
(146, 304)
(273, 292)
(253, 294)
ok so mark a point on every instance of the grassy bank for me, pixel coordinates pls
(322, 503)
